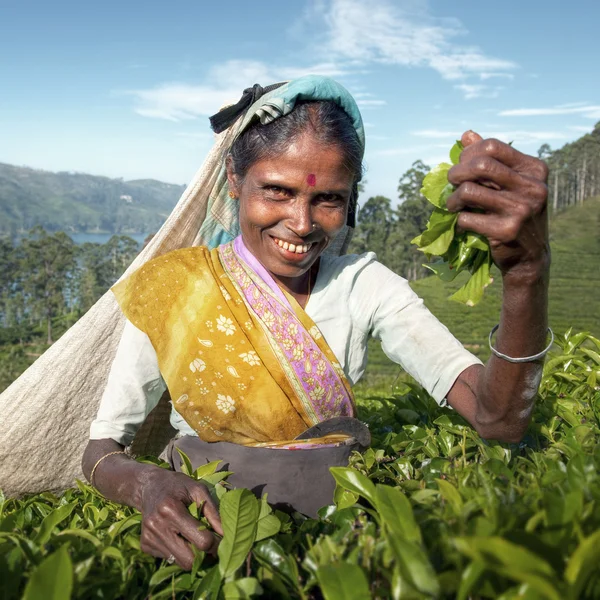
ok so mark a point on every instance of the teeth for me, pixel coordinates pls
(297, 249)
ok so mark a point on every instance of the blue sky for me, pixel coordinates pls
(124, 88)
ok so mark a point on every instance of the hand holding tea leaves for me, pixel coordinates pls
(490, 206)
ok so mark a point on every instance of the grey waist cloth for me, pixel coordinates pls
(293, 479)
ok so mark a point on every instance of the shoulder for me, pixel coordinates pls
(180, 259)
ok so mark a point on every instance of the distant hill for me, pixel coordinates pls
(76, 202)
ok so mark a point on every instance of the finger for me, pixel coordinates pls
(152, 544)
(179, 549)
(474, 195)
(506, 154)
(494, 227)
(201, 496)
(485, 170)
(470, 137)
(160, 538)
(188, 527)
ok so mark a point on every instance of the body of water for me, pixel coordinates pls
(102, 238)
(95, 238)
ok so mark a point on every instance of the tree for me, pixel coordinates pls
(47, 262)
(544, 152)
(409, 187)
(99, 267)
(374, 223)
(8, 277)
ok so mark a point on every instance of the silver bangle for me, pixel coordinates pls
(525, 358)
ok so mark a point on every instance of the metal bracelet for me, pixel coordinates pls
(525, 358)
(100, 460)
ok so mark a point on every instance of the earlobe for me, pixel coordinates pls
(231, 178)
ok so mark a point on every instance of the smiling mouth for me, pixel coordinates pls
(295, 248)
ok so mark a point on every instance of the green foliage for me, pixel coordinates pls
(430, 511)
(457, 252)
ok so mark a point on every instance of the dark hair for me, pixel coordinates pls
(325, 119)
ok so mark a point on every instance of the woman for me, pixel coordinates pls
(260, 340)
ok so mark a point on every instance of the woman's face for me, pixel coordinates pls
(293, 205)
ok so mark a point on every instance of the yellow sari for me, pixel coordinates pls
(243, 362)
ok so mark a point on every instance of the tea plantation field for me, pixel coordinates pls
(431, 511)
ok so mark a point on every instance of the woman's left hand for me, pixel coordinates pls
(501, 194)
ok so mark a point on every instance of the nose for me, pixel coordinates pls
(300, 221)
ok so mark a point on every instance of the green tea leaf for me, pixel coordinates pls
(350, 479)
(186, 463)
(52, 579)
(472, 292)
(210, 586)
(239, 513)
(414, 565)
(268, 524)
(242, 589)
(450, 494)
(343, 581)
(397, 514)
(455, 152)
(164, 573)
(207, 469)
(434, 183)
(469, 579)
(272, 556)
(51, 521)
(583, 563)
(344, 498)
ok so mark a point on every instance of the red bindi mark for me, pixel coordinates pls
(311, 180)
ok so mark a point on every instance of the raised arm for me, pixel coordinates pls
(501, 194)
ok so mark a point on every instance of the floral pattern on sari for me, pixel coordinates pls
(311, 372)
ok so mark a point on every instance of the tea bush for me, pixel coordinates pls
(430, 511)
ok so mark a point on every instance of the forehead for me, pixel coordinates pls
(306, 156)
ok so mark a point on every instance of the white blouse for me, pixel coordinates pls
(354, 297)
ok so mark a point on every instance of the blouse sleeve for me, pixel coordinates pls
(409, 333)
(134, 388)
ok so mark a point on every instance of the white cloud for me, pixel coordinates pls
(407, 35)
(590, 111)
(478, 90)
(484, 76)
(580, 128)
(223, 85)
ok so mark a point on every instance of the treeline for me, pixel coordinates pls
(574, 170)
(48, 276)
(388, 230)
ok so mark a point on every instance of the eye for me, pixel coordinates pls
(276, 191)
(331, 199)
